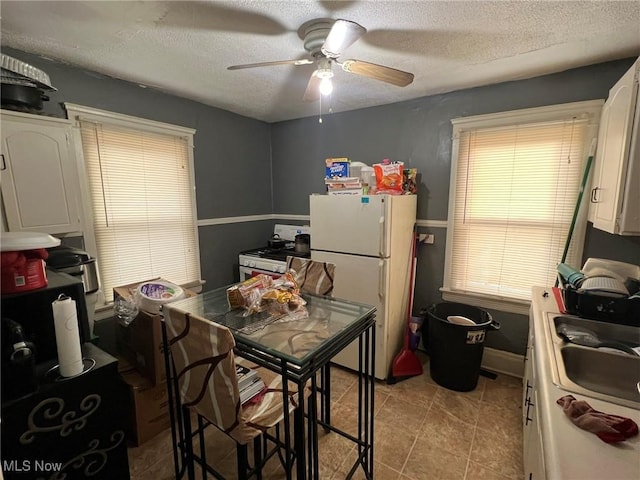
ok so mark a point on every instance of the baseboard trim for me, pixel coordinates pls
(500, 361)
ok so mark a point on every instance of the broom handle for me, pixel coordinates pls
(587, 168)
(411, 285)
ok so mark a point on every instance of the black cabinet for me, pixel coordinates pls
(71, 428)
(32, 310)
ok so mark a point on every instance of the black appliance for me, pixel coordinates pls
(279, 254)
(54, 426)
(23, 85)
(75, 262)
(18, 361)
(33, 312)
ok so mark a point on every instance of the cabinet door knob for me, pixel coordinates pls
(594, 194)
(4, 165)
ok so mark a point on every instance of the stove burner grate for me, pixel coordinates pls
(280, 254)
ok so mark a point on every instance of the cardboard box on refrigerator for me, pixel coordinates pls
(140, 342)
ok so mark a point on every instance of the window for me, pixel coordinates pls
(515, 181)
(142, 199)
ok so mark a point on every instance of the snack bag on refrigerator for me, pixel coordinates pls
(389, 177)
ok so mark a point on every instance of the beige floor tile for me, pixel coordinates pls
(422, 431)
(475, 471)
(350, 398)
(345, 418)
(333, 449)
(380, 471)
(442, 430)
(434, 464)
(161, 470)
(393, 442)
(465, 406)
(341, 381)
(492, 415)
(402, 411)
(498, 451)
(153, 451)
(505, 391)
(418, 390)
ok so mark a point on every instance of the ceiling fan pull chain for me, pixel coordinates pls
(320, 118)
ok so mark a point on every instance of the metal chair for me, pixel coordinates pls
(316, 278)
(313, 276)
(202, 379)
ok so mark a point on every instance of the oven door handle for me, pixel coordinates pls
(247, 273)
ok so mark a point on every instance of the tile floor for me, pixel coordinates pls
(422, 431)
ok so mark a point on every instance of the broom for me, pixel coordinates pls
(592, 152)
(406, 363)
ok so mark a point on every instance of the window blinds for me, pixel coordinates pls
(515, 193)
(143, 205)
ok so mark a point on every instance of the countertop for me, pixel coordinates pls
(570, 452)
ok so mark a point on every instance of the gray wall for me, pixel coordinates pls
(418, 132)
(599, 244)
(232, 157)
(237, 158)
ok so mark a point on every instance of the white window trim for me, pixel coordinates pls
(590, 108)
(76, 113)
(501, 304)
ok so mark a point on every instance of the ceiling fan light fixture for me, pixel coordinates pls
(324, 68)
(326, 86)
(325, 40)
(324, 73)
(343, 34)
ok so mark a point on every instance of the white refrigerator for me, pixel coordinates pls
(369, 239)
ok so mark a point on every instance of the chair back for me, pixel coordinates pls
(312, 276)
(202, 353)
(205, 366)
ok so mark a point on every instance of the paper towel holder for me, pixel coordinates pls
(87, 366)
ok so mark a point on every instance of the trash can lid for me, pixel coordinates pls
(463, 315)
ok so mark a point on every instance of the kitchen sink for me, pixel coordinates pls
(603, 373)
(607, 373)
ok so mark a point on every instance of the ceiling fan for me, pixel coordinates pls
(325, 40)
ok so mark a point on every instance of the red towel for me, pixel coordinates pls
(609, 428)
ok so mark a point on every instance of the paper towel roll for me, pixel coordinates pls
(67, 336)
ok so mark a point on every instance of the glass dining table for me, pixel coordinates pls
(301, 351)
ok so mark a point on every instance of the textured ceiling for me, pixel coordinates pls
(184, 48)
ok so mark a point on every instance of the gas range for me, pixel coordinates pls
(271, 260)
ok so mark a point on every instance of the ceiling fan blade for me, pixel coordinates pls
(342, 35)
(312, 93)
(378, 72)
(304, 61)
(208, 16)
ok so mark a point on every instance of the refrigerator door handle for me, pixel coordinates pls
(382, 282)
(383, 239)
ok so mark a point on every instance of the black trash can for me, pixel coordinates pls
(455, 349)
(424, 313)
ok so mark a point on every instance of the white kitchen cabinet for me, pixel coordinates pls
(615, 196)
(533, 458)
(38, 176)
(566, 451)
